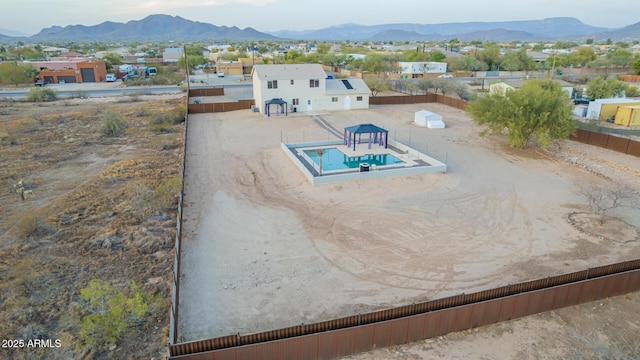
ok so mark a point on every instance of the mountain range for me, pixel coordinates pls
(175, 28)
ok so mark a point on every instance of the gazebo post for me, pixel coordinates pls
(354, 141)
(369, 143)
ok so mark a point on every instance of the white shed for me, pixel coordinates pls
(429, 119)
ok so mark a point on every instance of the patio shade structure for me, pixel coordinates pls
(279, 103)
(376, 135)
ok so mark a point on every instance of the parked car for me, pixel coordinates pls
(582, 100)
(110, 78)
(40, 83)
(220, 73)
(128, 76)
(445, 76)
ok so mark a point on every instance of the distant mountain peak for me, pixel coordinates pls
(153, 27)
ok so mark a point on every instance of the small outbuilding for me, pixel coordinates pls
(429, 119)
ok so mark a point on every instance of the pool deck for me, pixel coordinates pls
(415, 162)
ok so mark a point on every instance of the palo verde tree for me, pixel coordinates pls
(377, 85)
(16, 74)
(540, 110)
(599, 88)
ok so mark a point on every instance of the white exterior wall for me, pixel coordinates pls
(345, 102)
(422, 67)
(299, 90)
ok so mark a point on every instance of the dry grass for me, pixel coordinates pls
(89, 218)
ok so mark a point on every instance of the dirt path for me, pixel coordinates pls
(264, 249)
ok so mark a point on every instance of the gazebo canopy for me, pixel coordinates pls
(365, 129)
(376, 135)
(277, 101)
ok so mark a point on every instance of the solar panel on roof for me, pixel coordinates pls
(347, 84)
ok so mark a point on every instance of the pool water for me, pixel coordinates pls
(334, 159)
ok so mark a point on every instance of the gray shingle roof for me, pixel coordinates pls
(289, 71)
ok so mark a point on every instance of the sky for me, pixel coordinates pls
(31, 16)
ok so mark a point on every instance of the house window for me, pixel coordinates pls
(308, 102)
(359, 98)
(272, 84)
(295, 101)
(291, 82)
(334, 99)
(314, 83)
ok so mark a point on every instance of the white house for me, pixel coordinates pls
(172, 54)
(285, 88)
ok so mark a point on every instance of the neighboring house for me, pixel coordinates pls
(71, 71)
(51, 51)
(303, 88)
(537, 56)
(247, 64)
(205, 52)
(229, 67)
(419, 68)
(502, 86)
(172, 55)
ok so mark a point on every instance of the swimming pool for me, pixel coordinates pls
(334, 159)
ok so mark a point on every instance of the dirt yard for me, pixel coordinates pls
(264, 249)
(95, 207)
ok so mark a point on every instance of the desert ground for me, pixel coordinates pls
(264, 249)
(96, 207)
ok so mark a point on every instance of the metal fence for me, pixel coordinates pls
(219, 91)
(409, 323)
(416, 99)
(607, 141)
(220, 107)
(175, 300)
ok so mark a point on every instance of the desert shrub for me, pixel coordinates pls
(34, 224)
(173, 116)
(113, 123)
(632, 91)
(109, 312)
(165, 195)
(163, 122)
(164, 79)
(42, 94)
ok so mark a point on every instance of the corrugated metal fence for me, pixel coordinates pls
(202, 108)
(416, 99)
(175, 300)
(404, 324)
(607, 141)
(220, 107)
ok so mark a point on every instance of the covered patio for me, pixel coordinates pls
(281, 106)
(353, 135)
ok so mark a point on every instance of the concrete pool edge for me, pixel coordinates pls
(434, 166)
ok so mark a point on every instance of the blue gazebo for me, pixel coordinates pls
(376, 135)
(281, 106)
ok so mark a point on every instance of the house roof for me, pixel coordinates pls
(365, 129)
(339, 87)
(289, 71)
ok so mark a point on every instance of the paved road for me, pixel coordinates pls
(233, 83)
(95, 91)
